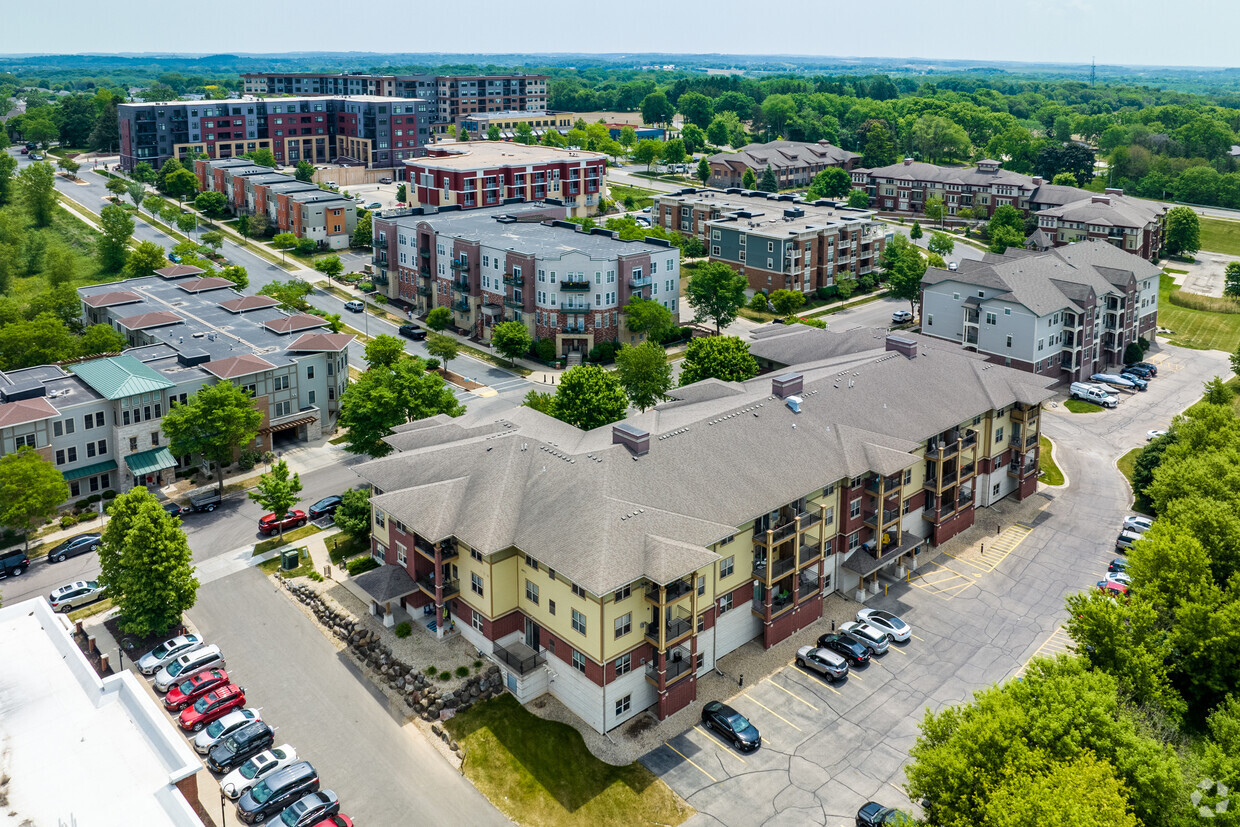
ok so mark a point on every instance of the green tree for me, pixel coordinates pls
(703, 171)
(493, 133)
(161, 178)
(718, 357)
(832, 182)
(330, 266)
(443, 347)
(523, 133)
(1181, 232)
(353, 515)
(213, 239)
(858, 199)
(769, 182)
(215, 423)
(117, 186)
(186, 222)
(749, 181)
(60, 266)
(278, 492)
(384, 350)
(1235, 361)
(402, 193)
(31, 489)
(716, 292)
(656, 109)
(439, 318)
(1005, 237)
(284, 242)
(211, 203)
(941, 244)
(1216, 393)
(644, 373)
(144, 173)
(263, 157)
(628, 137)
(335, 324)
(1231, 280)
(37, 185)
(880, 147)
(70, 166)
(304, 171)
(8, 164)
(236, 274)
(1064, 179)
(648, 317)
(933, 209)
(145, 259)
(915, 231)
(589, 397)
(385, 397)
(38, 341)
(41, 130)
(136, 191)
(117, 226)
(936, 137)
(648, 151)
(146, 565)
(511, 339)
(694, 138)
(697, 108)
(674, 152)
(363, 233)
(100, 338)
(105, 135)
(787, 302)
(291, 294)
(181, 184)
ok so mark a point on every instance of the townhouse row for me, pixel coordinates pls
(794, 163)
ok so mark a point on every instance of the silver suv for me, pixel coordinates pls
(873, 639)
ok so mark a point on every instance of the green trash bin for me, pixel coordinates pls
(289, 559)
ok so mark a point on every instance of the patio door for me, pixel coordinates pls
(531, 634)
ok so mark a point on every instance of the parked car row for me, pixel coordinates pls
(265, 781)
(1101, 391)
(1116, 581)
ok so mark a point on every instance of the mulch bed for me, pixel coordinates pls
(136, 647)
(458, 380)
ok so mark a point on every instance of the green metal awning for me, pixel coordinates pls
(148, 462)
(90, 470)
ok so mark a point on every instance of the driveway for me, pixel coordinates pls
(1205, 274)
(976, 618)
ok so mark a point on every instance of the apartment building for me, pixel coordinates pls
(480, 123)
(1131, 224)
(486, 173)
(377, 132)
(291, 206)
(520, 263)
(1065, 313)
(99, 419)
(599, 567)
(779, 242)
(795, 163)
(451, 97)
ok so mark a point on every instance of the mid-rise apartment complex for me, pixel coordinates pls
(378, 132)
(451, 97)
(98, 419)
(291, 206)
(613, 567)
(1066, 313)
(777, 241)
(518, 263)
(486, 173)
(795, 163)
(480, 123)
(1131, 224)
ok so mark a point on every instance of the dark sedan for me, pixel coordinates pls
(873, 814)
(73, 547)
(731, 725)
(855, 652)
(325, 507)
(414, 332)
(173, 509)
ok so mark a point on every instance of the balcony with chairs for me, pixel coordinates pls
(674, 630)
(450, 585)
(1022, 469)
(888, 516)
(514, 281)
(459, 265)
(575, 286)
(677, 663)
(461, 305)
(515, 304)
(766, 570)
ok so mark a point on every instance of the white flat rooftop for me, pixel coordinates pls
(77, 749)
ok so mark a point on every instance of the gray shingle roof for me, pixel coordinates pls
(784, 154)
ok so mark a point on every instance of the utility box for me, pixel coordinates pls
(289, 559)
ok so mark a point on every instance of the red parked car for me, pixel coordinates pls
(211, 706)
(188, 691)
(338, 820)
(271, 523)
(1112, 588)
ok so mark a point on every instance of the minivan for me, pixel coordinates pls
(188, 665)
(235, 749)
(1092, 393)
(277, 791)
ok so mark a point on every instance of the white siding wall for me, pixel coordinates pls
(735, 628)
(579, 693)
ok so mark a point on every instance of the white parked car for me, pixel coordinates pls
(1150, 436)
(902, 316)
(895, 628)
(874, 639)
(1120, 577)
(187, 666)
(157, 658)
(1138, 523)
(69, 597)
(951, 265)
(223, 726)
(256, 769)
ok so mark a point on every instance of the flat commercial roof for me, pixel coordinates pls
(78, 749)
(477, 154)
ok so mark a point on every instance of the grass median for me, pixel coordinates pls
(289, 537)
(1220, 236)
(1081, 406)
(1128, 463)
(1051, 475)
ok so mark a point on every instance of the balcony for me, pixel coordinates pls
(643, 281)
(515, 304)
(424, 270)
(674, 591)
(808, 554)
(945, 446)
(460, 283)
(1020, 414)
(575, 286)
(447, 551)
(459, 265)
(519, 657)
(779, 568)
(514, 281)
(674, 630)
(889, 516)
(451, 586)
(936, 483)
(1020, 471)
(806, 589)
(424, 253)
(1023, 442)
(891, 487)
(461, 305)
(677, 664)
(425, 291)
(573, 328)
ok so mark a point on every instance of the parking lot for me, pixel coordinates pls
(979, 613)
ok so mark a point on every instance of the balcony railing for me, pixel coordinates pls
(889, 516)
(521, 659)
(674, 591)
(939, 483)
(573, 328)
(460, 283)
(1020, 471)
(678, 664)
(514, 281)
(890, 487)
(425, 291)
(1024, 414)
(459, 265)
(673, 629)
(807, 553)
(451, 586)
(461, 305)
(446, 552)
(779, 568)
(575, 286)
(644, 281)
(424, 270)
(515, 304)
(576, 308)
(424, 253)
(806, 589)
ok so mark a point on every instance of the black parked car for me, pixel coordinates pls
(414, 332)
(277, 791)
(73, 547)
(873, 814)
(173, 509)
(13, 562)
(732, 725)
(1139, 370)
(240, 747)
(324, 507)
(855, 652)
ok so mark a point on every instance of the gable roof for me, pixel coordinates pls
(290, 324)
(202, 285)
(112, 299)
(245, 303)
(235, 366)
(119, 376)
(22, 411)
(143, 321)
(322, 341)
(784, 154)
(178, 271)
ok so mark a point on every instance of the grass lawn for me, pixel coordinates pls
(618, 192)
(91, 610)
(1198, 329)
(1220, 236)
(273, 565)
(1128, 462)
(341, 546)
(540, 772)
(1046, 464)
(1081, 406)
(289, 537)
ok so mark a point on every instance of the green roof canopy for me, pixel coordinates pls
(148, 462)
(90, 470)
(119, 376)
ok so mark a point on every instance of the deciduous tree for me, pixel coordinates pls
(644, 373)
(385, 397)
(145, 259)
(443, 347)
(656, 109)
(439, 318)
(284, 242)
(832, 182)
(278, 491)
(787, 302)
(211, 203)
(648, 317)
(941, 243)
(1181, 232)
(511, 339)
(37, 185)
(304, 171)
(330, 266)
(100, 338)
(858, 199)
(31, 489)
(214, 423)
(716, 292)
(117, 226)
(353, 515)
(588, 397)
(383, 351)
(291, 294)
(719, 357)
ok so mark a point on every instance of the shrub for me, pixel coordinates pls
(758, 303)
(185, 473)
(109, 494)
(248, 459)
(545, 349)
(827, 294)
(381, 299)
(365, 286)
(352, 277)
(403, 630)
(82, 504)
(477, 664)
(94, 498)
(462, 671)
(432, 670)
(315, 576)
(306, 245)
(361, 565)
(68, 520)
(603, 353)
(432, 364)
(445, 676)
(867, 283)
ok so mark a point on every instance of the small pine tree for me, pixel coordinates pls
(915, 231)
(769, 182)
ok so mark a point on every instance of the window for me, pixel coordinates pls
(475, 554)
(701, 585)
(854, 509)
(25, 440)
(531, 562)
(401, 559)
(829, 517)
(551, 606)
(475, 583)
(622, 705)
(1009, 340)
(995, 491)
(854, 540)
(624, 665)
(75, 489)
(478, 621)
(155, 438)
(726, 566)
(380, 518)
(310, 397)
(623, 594)
(624, 625)
(998, 435)
(577, 590)
(701, 623)
(725, 603)
(133, 444)
(310, 371)
(930, 320)
(531, 592)
(579, 662)
(579, 622)
(991, 318)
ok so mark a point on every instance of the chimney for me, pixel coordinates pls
(902, 344)
(631, 437)
(908, 161)
(787, 385)
(1113, 191)
(1038, 181)
(1100, 199)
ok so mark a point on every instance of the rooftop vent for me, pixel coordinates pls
(794, 404)
(1100, 199)
(787, 385)
(191, 357)
(24, 389)
(1113, 191)
(631, 437)
(902, 344)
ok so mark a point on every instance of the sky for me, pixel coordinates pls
(1131, 32)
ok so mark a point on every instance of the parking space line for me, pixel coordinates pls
(913, 635)
(802, 700)
(852, 674)
(822, 681)
(1059, 641)
(891, 647)
(894, 787)
(691, 761)
(720, 745)
(773, 712)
